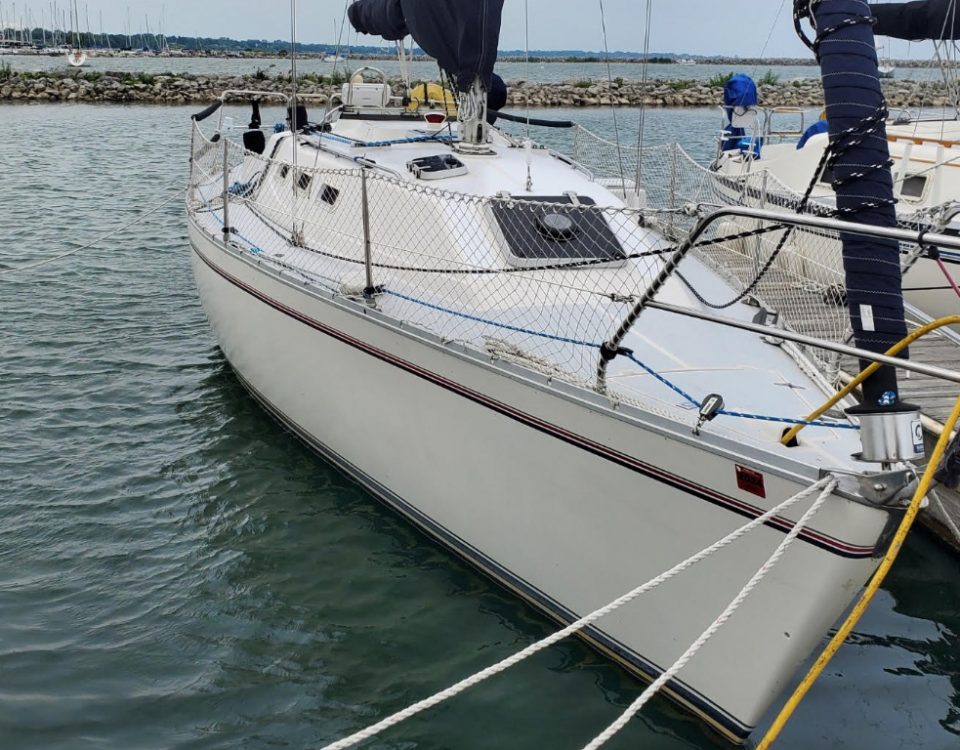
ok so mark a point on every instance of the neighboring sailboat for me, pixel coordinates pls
(925, 153)
(76, 56)
(492, 341)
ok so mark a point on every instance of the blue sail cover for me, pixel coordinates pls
(848, 63)
(461, 35)
(922, 19)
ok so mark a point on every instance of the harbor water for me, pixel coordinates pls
(176, 571)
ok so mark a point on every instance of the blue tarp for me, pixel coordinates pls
(739, 95)
(462, 35)
(740, 92)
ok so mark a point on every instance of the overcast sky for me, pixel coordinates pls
(708, 27)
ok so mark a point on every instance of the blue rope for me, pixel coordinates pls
(253, 248)
(672, 386)
(630, 355)
(442, 138)
(788, 420)
(401, 141)
(338, 138)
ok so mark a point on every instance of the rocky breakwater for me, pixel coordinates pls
(687, 93)
(96, 86)
(141, 88)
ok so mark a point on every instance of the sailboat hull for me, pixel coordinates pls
(556, 497)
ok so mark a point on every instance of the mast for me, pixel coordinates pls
(856, 113)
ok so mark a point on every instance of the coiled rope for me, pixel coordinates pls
(825, 487)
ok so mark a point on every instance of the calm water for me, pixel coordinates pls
(511, 71)
(178, 572)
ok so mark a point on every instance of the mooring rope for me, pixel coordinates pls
(870, 591)
(825, 486)
(47, 261)
(715, 626)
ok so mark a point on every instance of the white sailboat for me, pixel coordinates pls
(76, 56)
(925, 151)
(493, 341)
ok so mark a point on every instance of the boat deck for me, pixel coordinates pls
(936, 398)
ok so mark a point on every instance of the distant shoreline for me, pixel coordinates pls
(189, 88)
(693, 61)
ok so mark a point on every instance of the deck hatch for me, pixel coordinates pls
(569, 229)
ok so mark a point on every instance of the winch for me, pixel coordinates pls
(889, 434)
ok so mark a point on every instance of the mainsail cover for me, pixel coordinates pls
(921, 19)
(462, 35)
(848, 67)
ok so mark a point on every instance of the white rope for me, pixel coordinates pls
(825, 485)
(707, 634)
(108, 235)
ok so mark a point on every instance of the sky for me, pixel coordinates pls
(745, 28)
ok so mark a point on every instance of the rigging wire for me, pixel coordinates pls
(613, 106)
(528, 142)
(638, 181)
(113, 232)
(336, 54)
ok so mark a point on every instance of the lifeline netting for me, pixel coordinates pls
(477, 270)
(805, 284)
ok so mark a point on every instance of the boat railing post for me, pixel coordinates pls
(370, 290)
(674, 188)
(226, 188)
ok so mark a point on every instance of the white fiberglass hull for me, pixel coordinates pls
(557, 497)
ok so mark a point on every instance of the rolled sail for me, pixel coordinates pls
(462, 35)
(848, 64)
(921, 19)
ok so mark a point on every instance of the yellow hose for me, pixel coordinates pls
(853, 384)
(870, 591)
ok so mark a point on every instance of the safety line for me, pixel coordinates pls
(108, 235)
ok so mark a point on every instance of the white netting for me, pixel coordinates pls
(477, 270)
(805, 283)
(469, 269)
